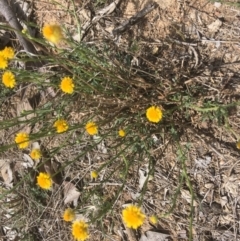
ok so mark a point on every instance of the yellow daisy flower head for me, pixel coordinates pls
(67, 85)
(121, 133)
(22, 140)
(8, 79)
(153, 219)
(44, 180)
(132, 216)
(80, 230)
(3, 62)
(91, 128)
(35, 154)
(69, 215)
(94, 174)
(60, 125)
(7, 53)
(52, 33)
(154, 114)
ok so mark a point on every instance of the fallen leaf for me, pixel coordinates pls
(108, 9)
(182, 234)
(25, 112)
(130, 234)
(231, 185)
(28, 162)
(135, 196)
(154, 236)
(71, 194)
(224, 201)
(215, 26)
(101, 145)
(187, 196)
(203, 163)
(50, 168)
(23, 108)
(6, 172)
(143, 175)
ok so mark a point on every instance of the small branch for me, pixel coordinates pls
(183, 43)
(7, 12)
(133, 20)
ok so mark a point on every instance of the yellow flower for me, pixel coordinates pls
(121, 133)
(133, 216)
(35, 154)
(91, 128)
(44, 180)
(7, 53)
(3, 62)
(67, 85)
(8, 79)
(61, 125)
(154, 114)
(53, 33)
(80, 230)
(94, 174)
(22, 140)
(153, 219)
(68, 215)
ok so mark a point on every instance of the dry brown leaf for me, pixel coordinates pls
(6, 171)
(182, 234)
(71, 194)
(49, 91)
(231, 185)
(27, 161)
(52, 168)
(130, 234)
(215, 26)
(22, 106)
(143, 176)
(187, 196)
(224, 201)
(108, 9)
(154, 236)
(101, 146)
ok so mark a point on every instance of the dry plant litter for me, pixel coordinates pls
(123, 123)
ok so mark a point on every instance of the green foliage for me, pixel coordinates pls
(235, 4)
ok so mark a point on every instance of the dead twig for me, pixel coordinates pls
(100, 14)
(10, 16)
(182, 43)
(133, 20)
(195, 55)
